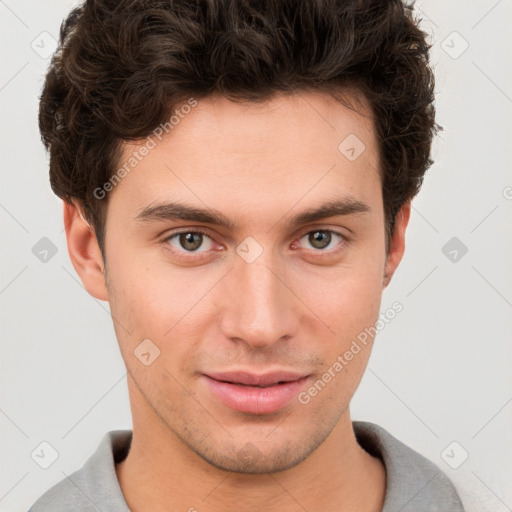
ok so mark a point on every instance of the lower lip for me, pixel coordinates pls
(255, 400)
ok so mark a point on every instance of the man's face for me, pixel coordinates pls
(261, 295)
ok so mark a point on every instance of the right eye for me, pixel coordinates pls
(189, 241)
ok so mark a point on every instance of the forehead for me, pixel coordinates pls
(255, 155)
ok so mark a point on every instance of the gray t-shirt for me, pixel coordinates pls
(414, 484)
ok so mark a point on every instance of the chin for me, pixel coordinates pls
(257, 457)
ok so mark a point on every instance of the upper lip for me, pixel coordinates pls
(253, 379)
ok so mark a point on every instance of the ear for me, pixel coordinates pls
(84, 251)
(397, 243)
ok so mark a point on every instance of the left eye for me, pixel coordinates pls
(321, 239)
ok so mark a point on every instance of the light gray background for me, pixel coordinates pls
(440, 371)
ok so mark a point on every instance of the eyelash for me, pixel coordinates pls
(192, 254)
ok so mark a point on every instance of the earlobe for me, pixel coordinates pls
(84, 251)
(397, 243)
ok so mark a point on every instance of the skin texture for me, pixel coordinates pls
(296, 307)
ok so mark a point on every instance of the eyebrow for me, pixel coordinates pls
(171, 211)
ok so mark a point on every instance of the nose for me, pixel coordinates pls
(259, 306)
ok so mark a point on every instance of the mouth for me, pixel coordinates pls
(263, 380)
(255, 385)
(253, 393)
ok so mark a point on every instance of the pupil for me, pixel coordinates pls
(191, 241)
(320, 239)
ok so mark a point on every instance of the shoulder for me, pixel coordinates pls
(413, 483)
(65, 495)
(94, 486)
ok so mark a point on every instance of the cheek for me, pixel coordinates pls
(347, 299)
(142, 288)
(138, 300)
(351, 317)
(148, 301)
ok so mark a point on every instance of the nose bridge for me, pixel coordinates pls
(260, 308)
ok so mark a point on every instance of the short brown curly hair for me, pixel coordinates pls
(122, 67)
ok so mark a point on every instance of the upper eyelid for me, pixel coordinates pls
(205, 232)
(329, 230)
(181, 232)
(299, 236)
